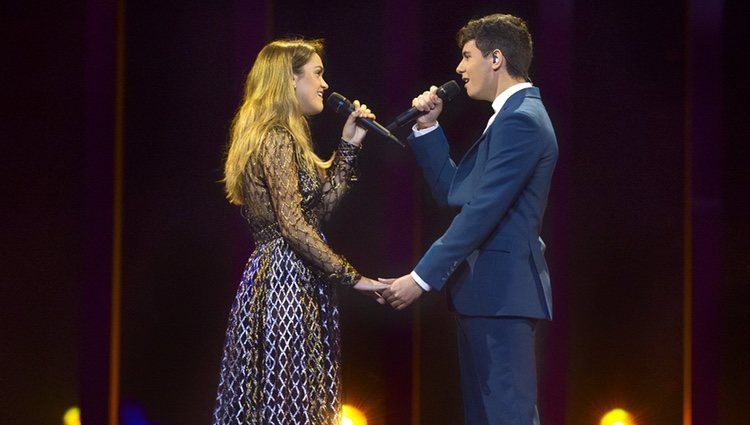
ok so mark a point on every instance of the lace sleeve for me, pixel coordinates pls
(340, 176)
(280, 168)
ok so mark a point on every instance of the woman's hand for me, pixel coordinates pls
(352, 133)
(372, 288)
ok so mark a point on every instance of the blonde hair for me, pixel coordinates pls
(270, 102)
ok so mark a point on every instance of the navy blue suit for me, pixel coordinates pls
(493, 243)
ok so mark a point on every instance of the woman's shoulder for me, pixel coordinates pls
(278, 132)
(276, 137)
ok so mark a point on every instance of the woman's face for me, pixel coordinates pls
(309, 86)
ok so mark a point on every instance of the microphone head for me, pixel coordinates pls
(448, 90)
(339, 103)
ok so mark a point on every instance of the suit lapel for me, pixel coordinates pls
(468, 161)
(512, 103)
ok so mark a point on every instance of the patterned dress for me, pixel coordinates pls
(281, 354)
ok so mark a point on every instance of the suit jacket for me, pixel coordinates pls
(501, 185)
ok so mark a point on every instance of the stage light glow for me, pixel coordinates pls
(617, 417)
(350, 415)
(72, 416)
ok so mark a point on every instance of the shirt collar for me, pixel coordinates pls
(499, 101)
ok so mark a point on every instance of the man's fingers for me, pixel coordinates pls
(388, 294)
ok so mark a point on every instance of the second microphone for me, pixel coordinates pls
(343, 106)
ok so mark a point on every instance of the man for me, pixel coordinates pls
(502, 285)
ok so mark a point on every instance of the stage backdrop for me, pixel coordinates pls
(112, 175)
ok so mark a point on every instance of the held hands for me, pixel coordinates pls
(371, 288)
(352, 133)
(402, 291)
(398, 292)
(432, 104)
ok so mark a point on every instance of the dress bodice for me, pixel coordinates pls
(285, 199)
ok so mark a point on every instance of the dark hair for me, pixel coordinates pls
(507, 33)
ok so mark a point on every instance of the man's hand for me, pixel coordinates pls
(371, 288)
(402, 292)
(431, 104)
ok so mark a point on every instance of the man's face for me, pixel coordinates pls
(477, 73)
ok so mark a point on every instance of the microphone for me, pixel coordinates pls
(342, 105)
(446, 92)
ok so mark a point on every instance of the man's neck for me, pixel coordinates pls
(505, 82)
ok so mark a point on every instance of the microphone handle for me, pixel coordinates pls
(342, 106)
(369, 124)
(446, 92)
(410, 115)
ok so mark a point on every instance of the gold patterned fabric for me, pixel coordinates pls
(281, 353)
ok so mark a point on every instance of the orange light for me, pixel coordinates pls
(72, 416)
(617, 417)
(350, 415)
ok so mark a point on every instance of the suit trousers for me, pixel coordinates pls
(498, 370)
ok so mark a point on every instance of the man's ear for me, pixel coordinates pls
(497, 58)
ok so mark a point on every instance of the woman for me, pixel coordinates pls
(280, 362)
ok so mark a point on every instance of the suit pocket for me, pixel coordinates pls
(502, 264)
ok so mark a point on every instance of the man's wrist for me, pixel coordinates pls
(422, 284)
(422, 131)
(422, 126)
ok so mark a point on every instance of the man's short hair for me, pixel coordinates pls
(507, 33)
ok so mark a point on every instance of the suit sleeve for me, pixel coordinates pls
(514, 152)
(433, 156)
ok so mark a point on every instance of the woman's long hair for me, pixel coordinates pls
(270, 102)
